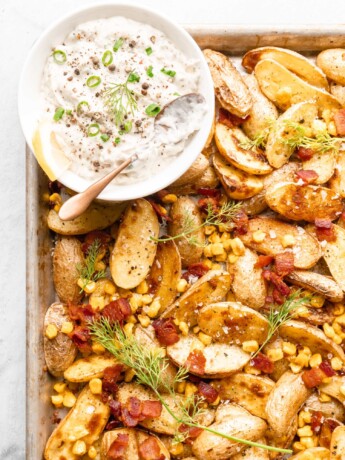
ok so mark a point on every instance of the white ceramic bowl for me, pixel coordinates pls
(30, 84)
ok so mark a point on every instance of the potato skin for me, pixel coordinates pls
(323, 285)
(60, 352)
(193, 173)
(67, 256)
(332, 62)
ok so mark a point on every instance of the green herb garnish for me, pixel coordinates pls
(104, 137)
(87, 272)
(149, 72)
(117, 140)
(149, 51)
(107, 58)
(152, 110)
(133, 77)
(93, 81)
(59, 112)
(59, 57)
(121, 100)
(93, 130)
(170, 73)
(82, 107)
(117, 45)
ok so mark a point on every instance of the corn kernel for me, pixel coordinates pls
(337, 328)
(183, 328)
(328, 330)
(95, 386)
(221, 258)
(338, 309)
(181, 285)
(51, 331)
(142, 288)
(204, 338)
(303, 418)
(100, 266)
(342, 389)
(225, 237)
(340, 320)
(288, 241)
(87, 286)
(196, 329)
(208, 250)
(317, 301)
(295, 368)
(97, 348)
(144, 320)
(319, 126)
(331, 128)
(69, 399)
(217, 249)
(302, 359)
(97, 302)
(301, 312)
(132, 319)
(169, 198)
(55, 198)
(315, 360)
(337, 339)
(307, 441)
(153, 310)
(250, 346)
(232, 258)
(79, 448)
(78, 432)
(190, 389)
(227, 245)
(146, 299)
(289, 348)
(336, 364)
(326, 114)
(181, 386)
(258, 236)
(207, 263)
(129, 375)
(135, 302)
(109, 288)
(298, 447)
(57, 400)
(251, 370)
(324, 398)
(216, 267)
(176, 449)
(92, 452)
(59, 387)
(305, 431)
(128, 329)
(214, 238)
(67, 327)
(237, 247)
(275, 354)
(209, 229)
(327, 380)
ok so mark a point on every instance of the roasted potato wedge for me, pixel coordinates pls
(311, 337)
(304, 202)
(319, 453)
(248, 284)
(337, 182)
(208, 180)
(338, 91)
(283, 440)
(253, 453)
(229, 142)
(284, 88)
(231, 91)
(89, 415)
(262, 113)
(221, 359)
(323, 164)
(315, 282)
(232, 322)
(193, 173)
(96, 217)
(212, 287)
(337, 448)
(59, 353)
(208, 446)
(134, 251)
(284, 401)
(237, 184)
(306, 249)
(67, 256)
(249, 391)
(329, 409)
(183, 211)
(293, 61)
(332, 62)
(85, 369)
(333, 388)
(278, 151)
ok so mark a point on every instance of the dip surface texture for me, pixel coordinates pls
(112, 76)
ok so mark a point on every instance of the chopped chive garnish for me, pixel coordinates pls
(69, 112)
(170, 73)
(104, 137)
(118, 44)
(58, 113)
(93, 81)
(149, 51)
(82, 107)
(152, 110)
(93, 129)
(149, 72)
(107, 58)
(128, 126)
(132, 77)
(176, 94)
(59, 56)
(117, 140)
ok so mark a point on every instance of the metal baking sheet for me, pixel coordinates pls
(234, 40)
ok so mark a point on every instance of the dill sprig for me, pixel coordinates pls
(87, 272)
(323, 142)
(149, 366)
(121, 100)
(224, 216)
(258, 142)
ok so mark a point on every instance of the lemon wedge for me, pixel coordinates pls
(48, 151)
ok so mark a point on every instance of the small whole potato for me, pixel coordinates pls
(332, 62)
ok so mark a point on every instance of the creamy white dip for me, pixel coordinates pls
(156, 72)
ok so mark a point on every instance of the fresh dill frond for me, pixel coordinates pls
(258, 142)
(87, 272)
(121, 100)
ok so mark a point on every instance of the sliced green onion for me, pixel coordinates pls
(152, 110)
(170, 73)
(176, 94)
(107, 58)
(58, 113)
(149, 51)
(128, 126)
(69, 112)
(149, 72)
(93, 129)
(82, 107)
(104, 137)
(59, 56)
(117, 140)
(93, 81)
(118, 44)
(133, 77)
(121, 132)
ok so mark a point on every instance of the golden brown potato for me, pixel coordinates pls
(338, 91)
(337, 182)
(306, 249)
(59, 352)
(232, 322)
(283, 440)
(88, 416)
(337, 448)
(253, 453)
(285, 89)
(319, 453)
(230, 89)
(329, 409)
(66, 259)
(85, 369)
(96, 217)
(185, 214)
(334, 388)
(193, 173)
(212, 287)
(229, 144)
(237, 184)
(323, 164)
(324, 285)
(332, 62)
(304, 202)
(208, 180)
(134, 250)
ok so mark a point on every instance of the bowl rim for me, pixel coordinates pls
(181, 163)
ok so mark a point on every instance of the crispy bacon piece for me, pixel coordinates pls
(263, 261)
(284, 263)
(326, 367)
(195, 271)
(204, 203)
(151, 409)
(128, 419)
(111, 376)
(166, 331)
(308, 176)
(277, 297)
(276, 280)
(196, 362)
(327, 428)
(112, 424)
(115, 408)
(304, 153)
(81, 314)
(135, 411)
(263, 363)
(103, 238)
(228, 119)
(192, 432)
(339, 120)
(160, 210)
(118, 447)
(313, 377)
(208, 392)
(117, 311)
(325, 230)
(316, 421)
(210, 192)
(150, 450)
(241, 223)
(81, 338)
(134, 407)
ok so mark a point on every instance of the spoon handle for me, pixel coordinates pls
(77, 204)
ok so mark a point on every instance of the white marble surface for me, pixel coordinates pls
(21, 22)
